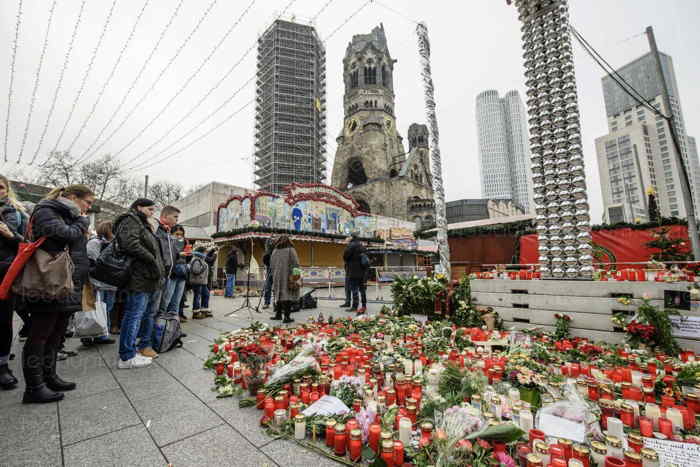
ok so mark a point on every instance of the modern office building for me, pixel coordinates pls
(504, 149)
(290, 111)
(199, 208)
(467, 210)
(638, 153)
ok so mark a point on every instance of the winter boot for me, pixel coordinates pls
(278, 312)
(287, 312)
(52, 380)
(198, 315)
(36, 391)
(7, 379)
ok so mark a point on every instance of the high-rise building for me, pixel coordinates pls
(290, 112)
(504, 149)
(638, 153)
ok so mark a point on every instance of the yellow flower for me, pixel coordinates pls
(651, 191)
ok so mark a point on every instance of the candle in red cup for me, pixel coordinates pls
(330, 434)
(534, 435)
(260, 399)
(614, 462)
(398, 453)
(666, 427)
(667, 401)
(646, 427)
(269, 407)
(373, 439)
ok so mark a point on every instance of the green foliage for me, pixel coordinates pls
(689, 375)
(263, 229)
(413, 295)
(460, 384)
(670, 249)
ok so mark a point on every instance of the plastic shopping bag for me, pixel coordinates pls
(92, 320)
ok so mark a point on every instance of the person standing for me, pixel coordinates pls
(61, 218)
(347, 289)
(231, 268)
(355, 257)
(135, 234)
(103, 292)
(199, 279)
(283, 263)
(169, 216)
(12, 223)
(212, 278)
(267, 290)
(179, 274)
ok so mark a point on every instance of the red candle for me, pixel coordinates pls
(666, 427)
(667, 401)
(375, 430)
(388, 453)
(536, 434)
(269, 407)
(398, 453)
(337, 371)
(330, 434)
(646, 427)
(340, 440)
(688, 417)
(614, 462)
(260, 398)
(355, 448)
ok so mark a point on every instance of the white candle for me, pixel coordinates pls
(616, 428)
(637, 378)
(653, 412)
(405, 427)
(417, 367)
(575, 463)
(676, 418)
(299, 428)
(526, 422)
(408, 367)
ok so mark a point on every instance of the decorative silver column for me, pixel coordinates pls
(561, 202)
(438, 188)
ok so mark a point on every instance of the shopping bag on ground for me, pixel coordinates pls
(92, 320)
(167, 334)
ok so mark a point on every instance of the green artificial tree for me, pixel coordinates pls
(670, 249)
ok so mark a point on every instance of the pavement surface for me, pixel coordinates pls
(154, 416)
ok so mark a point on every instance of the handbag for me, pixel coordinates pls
(113, 267)
(294, 281)
(43, 275)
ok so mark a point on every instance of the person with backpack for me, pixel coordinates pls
(135, 235)
(199, 278)
(12, 224)
(61, 218)
(231, 268)
(103, 292)
(355, 256)
(169, 216)
(285, 266)
(179, 274)
(267, 290)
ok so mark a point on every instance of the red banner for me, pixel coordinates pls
(612, 246)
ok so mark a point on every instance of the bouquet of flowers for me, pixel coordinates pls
(347, 389)
(563, 322)
(303, 364)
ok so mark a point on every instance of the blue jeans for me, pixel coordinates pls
(201, 294)
(230, 284)
(173, 307)
(137, 322)
(358, 287)
(267, 291)
(168, 291)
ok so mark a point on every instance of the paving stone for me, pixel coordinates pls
(220, 446)
(175, 416)
(127, 447)
(246, 421)
(145, 383)
(95, 415)
(29, 436)
(290, 454)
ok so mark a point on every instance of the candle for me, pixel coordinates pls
(646, 427)
(542, 450)
(514, 394)
(666, 427)
(582, 454)
(398, 453)
(330, 433)
(614, 462)
(280, 417)
(576, 463)
(653, 412)
(388, 453)
(616, 427)
(526, 421)
(598, 452)
(299, 427)
(405, 427)
(614, 445)
(355, 445)
(373, 438)
(676, 418)
(417, 367)
(650, 458)
(408, 367)
(426, 429)
(340, 440)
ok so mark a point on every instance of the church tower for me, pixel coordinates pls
(371, 162)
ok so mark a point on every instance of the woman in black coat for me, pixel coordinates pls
(13, 220)
(61, 218)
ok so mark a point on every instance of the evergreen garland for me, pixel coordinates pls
(272, 230)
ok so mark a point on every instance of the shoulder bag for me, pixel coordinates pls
(113, 266)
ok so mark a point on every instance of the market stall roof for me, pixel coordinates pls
(486, 222)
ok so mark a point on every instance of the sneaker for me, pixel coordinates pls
(69, 353)
(139, 361)
(183, 319)
(61, 355)
(149, 352)
(208, 313)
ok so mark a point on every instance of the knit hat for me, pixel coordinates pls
(142, 203)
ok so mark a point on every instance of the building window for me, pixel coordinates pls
(674, 213)
(385, 76)
(354, 79)
(370, 73)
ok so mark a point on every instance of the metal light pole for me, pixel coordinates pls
(561, 202)
(685, 180)
(438, 188)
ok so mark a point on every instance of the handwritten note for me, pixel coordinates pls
(327, 405)
(671, 452)
(686, 327)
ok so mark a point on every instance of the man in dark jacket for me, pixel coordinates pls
(169, 217)
(136, 238)
(231, 268)
(267, 290)
(357, 266)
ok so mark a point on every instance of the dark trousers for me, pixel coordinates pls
(5, 327)
(359, 290)
(45, 337)
(348, 289)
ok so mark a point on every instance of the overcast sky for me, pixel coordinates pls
(475, 46)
